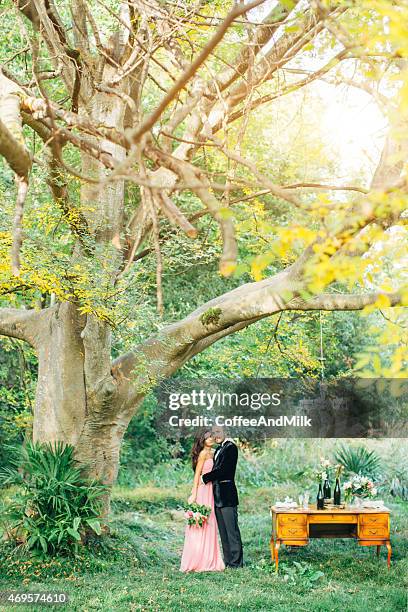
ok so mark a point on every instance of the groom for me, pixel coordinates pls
(226, 497)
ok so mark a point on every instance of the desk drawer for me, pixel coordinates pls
(374, 520)
(292, 532)
(373, 532)
(292, 519)
(333, 518)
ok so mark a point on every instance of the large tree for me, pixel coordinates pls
(125, 97)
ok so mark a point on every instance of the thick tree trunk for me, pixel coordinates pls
(99, 444)
(77, 402)
(60, 405)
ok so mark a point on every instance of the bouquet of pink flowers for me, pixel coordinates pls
(196, 514)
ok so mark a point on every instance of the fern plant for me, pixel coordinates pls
(55, 506)
(358, 460)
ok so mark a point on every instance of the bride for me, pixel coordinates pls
(201, 551)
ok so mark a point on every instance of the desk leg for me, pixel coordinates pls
(277, 546)
(272, 547)
(388, 545)
(378, 550)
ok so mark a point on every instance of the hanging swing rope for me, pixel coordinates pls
(322, 357)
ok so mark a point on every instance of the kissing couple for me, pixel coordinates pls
(213, 486)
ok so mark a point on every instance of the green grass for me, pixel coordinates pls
(137, 568)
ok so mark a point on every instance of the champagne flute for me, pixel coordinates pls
(306, 500)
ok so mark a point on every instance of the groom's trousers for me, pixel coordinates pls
(227, 520)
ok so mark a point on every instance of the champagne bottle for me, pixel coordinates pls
(337, 493)
(320, 498)
(327, 489)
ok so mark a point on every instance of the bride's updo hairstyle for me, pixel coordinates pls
(198, 446)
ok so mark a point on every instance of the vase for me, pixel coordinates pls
(357, 501)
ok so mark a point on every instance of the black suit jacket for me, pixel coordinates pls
(222, 476)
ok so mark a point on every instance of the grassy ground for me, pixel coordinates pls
(138, 568)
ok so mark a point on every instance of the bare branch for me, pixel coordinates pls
(149, 122)
(13, 148)
(22, 187)
(175, 216)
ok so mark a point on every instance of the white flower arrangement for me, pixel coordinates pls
(361, 486)
(324, 471)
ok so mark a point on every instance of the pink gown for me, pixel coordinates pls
(201, 551)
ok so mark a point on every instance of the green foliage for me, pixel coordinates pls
(55, 506)
(399, 486)
(18, 376)
(137, 566)
(395, 481)
(138, 569)
(151, 499)
(302, 572)
(143, 448)
(358, 460)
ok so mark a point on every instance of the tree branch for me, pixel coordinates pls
(342, 301)
(149, 122)
(13, 148)
(175, 344)
(21, 324)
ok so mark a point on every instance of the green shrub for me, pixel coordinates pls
(301, 572)
(398, 487)
(358, 460)
(18, 376)
(55, 507)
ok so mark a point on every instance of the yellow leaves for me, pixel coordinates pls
(383, 301)
(225, 213)
(376, 364)
(5, 242)
(372, 365)
(326, 248)
(388, 30)
(324, 270)
(259, 264)
(289, 238)
(399, 362)
(404, 297)
(289, 4)
(386, 286)
(227, 268)
(388, 356)
(23, 421)
(45, 280)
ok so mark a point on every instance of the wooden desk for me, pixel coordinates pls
(294, 527)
